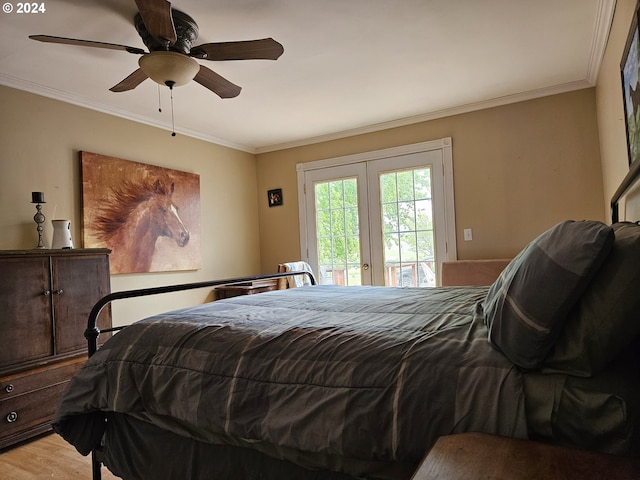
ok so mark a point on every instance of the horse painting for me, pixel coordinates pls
(133, 218)
(147, 215)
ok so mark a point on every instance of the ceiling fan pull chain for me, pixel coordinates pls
(173, 123)
(159, 100)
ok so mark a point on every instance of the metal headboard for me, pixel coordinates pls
(629, 180)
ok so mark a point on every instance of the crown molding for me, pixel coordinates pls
(449, 112)
(66, 97)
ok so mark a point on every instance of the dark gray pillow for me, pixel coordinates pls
(528, 304)
(607, 318)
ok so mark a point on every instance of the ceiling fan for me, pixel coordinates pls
(169, 35)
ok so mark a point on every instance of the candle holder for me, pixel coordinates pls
(38, 199)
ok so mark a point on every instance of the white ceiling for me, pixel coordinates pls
(349, 66)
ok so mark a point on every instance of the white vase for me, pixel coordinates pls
(61, 234)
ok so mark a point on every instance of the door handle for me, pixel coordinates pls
(365, 266)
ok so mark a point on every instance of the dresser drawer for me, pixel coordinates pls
(29, 410)
(25, 382)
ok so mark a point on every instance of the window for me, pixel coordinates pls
(380, 218)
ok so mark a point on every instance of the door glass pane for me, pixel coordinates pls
(407, 228)
(338, 232)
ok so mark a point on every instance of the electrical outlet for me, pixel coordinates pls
(468, 234)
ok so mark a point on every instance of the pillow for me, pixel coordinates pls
(607, 318)
(528, 304)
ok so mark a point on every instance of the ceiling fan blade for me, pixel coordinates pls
(156, 16)
(217, 84)
(131, 82)
(86, 43)
(263, 49)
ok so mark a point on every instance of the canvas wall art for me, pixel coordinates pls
(629, 69)
(147, 215)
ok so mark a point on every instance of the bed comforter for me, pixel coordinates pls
(360, 380)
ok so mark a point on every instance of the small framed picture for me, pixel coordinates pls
(275, 197)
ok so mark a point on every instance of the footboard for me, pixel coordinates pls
(92, 332)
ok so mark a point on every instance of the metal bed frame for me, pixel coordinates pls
(93, 332)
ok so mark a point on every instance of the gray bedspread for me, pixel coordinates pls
(354, 379)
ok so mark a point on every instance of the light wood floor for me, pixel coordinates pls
(47, 457)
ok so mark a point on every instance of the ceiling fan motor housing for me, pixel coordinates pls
(186, 32)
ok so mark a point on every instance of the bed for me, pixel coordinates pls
(329, 382)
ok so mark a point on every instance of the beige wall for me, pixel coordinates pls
(610, 108)
(40, 140)
(518, 169)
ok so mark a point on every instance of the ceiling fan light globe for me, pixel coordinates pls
(166, 66)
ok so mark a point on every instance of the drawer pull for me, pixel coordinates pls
(9, 388)
(46, 293)
(12, 417)
(59, 292)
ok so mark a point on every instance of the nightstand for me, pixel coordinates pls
(475, 456)
(248, 288)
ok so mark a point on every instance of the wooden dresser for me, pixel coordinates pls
(45, 299)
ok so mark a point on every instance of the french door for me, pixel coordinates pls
(380, 218)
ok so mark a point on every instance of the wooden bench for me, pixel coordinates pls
(471, 272)
(476, 456)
